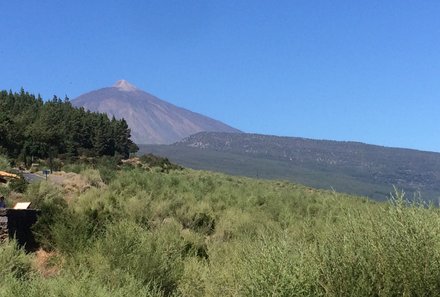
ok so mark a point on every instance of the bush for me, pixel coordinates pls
(75, 284)
(76, 167)
(150, 257)
(49, 200)
(164, 164)
(192, 233)
(13, 262)
(93, 177)
(18, 185)
(392, 250)
(4, 163)
(107, 167)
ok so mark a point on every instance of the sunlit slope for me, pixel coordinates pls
(150, 119)
(350, 167)
(150, 232)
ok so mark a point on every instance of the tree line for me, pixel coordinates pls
(32, 128)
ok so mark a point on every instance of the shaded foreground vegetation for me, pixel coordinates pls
(193, 233)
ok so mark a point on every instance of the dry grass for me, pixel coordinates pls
(73, 184)
(47, 264)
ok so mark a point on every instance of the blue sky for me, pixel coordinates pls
(345, 70)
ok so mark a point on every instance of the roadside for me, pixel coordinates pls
(32, 177)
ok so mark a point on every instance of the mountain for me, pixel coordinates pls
(151, 120)
(350, 167)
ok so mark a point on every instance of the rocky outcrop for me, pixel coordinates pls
(4, 235)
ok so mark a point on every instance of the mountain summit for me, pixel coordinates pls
(124, 85)
(151, 120)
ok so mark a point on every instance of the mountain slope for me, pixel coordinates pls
(152, 120)
(350, 167)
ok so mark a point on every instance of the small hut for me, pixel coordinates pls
(16, 223)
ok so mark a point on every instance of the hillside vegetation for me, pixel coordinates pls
(32, 129)
(349, 167)
(195, 233)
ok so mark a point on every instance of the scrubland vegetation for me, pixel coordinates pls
(191, 233)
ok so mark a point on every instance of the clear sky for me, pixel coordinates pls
(344, 70)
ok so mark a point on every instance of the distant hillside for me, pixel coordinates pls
(151, 120)
(350, 167)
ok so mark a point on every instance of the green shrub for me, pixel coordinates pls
(49, 200)
(107, 174)
(194, 278)
(4, 162)
(75, 284)
(14, 262)
(164, 164)
(275, 267)
(192, 233)
(392, 250)
(93, 177)
(74, 233)
(76, 167)
(18, 185)
(150, 257)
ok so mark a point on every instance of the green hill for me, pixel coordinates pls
(350, 167)
(149, 232)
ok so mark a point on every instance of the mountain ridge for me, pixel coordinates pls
(347, 166)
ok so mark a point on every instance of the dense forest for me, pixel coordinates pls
(32, 128)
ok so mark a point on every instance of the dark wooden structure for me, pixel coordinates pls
(17, 224)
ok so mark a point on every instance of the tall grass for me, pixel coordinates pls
(392, 250)
(192, 233)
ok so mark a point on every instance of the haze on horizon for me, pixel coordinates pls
(338, 70)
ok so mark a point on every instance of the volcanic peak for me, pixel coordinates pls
(124, 85)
